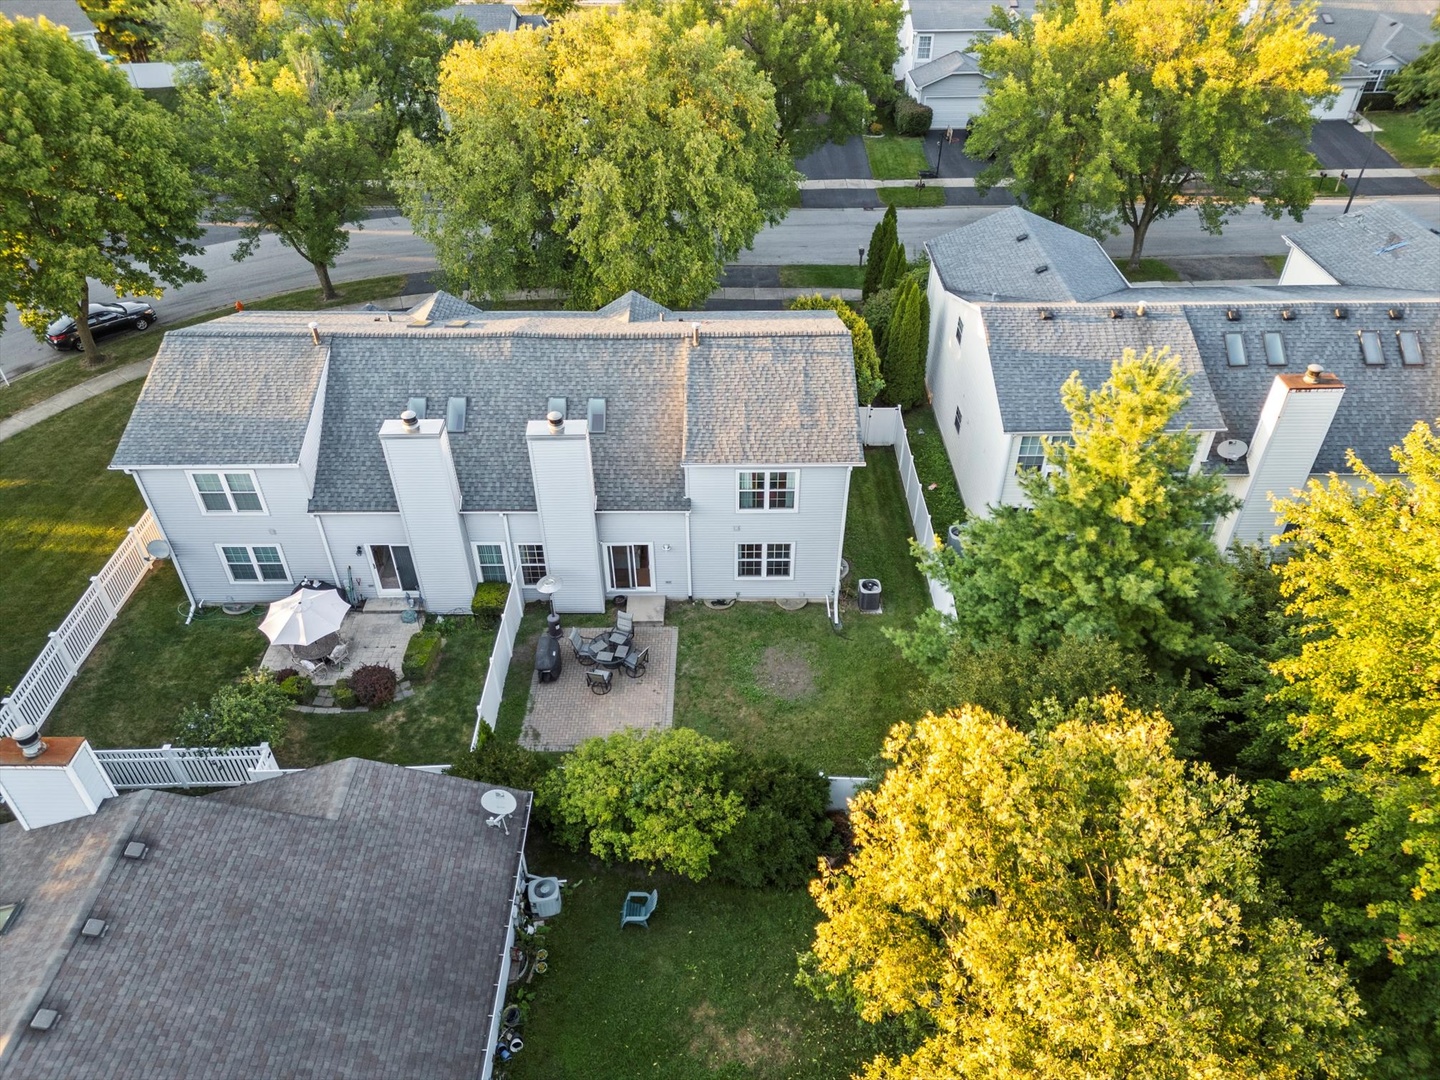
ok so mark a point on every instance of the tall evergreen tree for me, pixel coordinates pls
(882, 240)
(903, 371)
(895, 265)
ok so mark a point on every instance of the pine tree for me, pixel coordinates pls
(882, 242)
(895, 267)
(902, 345)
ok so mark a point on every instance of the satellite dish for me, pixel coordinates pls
(1232, 450)
(158, 549)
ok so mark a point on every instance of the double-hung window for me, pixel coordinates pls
(766, 490)
(763, 560)
(491, 560)
(532, 562)
(923, 45)
(253, 564)
(1032, 452)
(228, 493)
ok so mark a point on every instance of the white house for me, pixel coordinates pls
(1018, 303)
(631, 449)
(936, 65)
(63, 13)
(1387, 35)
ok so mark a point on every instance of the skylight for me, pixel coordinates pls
(1235, 349)
(556, 404)
(8, 914)
(1274, 349)
(417, 406)
(595, 415)
(1370, 350)
(1410, 354)
(455, 415)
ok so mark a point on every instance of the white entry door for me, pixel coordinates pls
(629, 567)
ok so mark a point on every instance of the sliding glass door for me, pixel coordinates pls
(394, 569)
(629, 566)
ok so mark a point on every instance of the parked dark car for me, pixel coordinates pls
(104, 319)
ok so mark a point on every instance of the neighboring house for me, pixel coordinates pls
(63, 13)
(1018, 303)
(1388, 34)
(699, 454)
(350, 920)
(491, 18)
(937, 65)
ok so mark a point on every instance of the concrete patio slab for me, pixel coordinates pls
(646, 607)
(373, 639)
(563, 714)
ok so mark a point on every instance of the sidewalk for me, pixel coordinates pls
(28, 418)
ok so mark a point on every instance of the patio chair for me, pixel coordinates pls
(635, 663)
(638, 907)
(584, 650)
(339, 655)
(312, 668)
(598, 681)
(624, 622)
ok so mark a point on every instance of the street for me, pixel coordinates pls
(387, 246)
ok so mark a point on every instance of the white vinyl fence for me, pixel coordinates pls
(40, 688)
(885, 427)
(170, 766)
(488, 709)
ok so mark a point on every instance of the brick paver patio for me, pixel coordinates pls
(565, 713)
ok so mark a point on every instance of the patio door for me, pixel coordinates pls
(629, 567)
(394, 569)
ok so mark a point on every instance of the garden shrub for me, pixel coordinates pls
(500, 761)
(878, 311)
(421, 655)
(785, 828)
(489, 599)
(250, 711)
(343, 695)
(298, 688)
(285, 673)
(373, 685)
(912, 118)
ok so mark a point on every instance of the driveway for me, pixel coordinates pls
(837, 161)
(1338, 144)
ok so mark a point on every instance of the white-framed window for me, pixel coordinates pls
(923, 44)
(531, 560)
(1032, 452)
(227, 493)
(764, 560)
(490, 559)
(764, 489)
(253, 564)
(629, 566)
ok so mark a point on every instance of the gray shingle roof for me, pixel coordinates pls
(1377, 246)
(1380, 28)
(1032, 357)
(767, 387)
(342, 922)
(985, 259)
(488, 18)
(957, 14)
(217, 396)
(442, 307)
(66, 13)
(943, 67)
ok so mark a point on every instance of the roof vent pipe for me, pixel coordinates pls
(694, 333)
(556, 419)
(28, 737)
(1314, 373)
(315, 332)
(410, 421)
(1140, 310)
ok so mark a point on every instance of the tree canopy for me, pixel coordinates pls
(1114, 542)
(95, 181)
(827, 59)
(1101, 113)
(1418, 84)
(612, 152)
(1071, 903)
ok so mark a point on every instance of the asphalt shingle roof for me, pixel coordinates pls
(346, 921)
(926, 15)
(488, 18)
(767, 387)
(442, 307)
(1377, 246)
(1381, 28)
(66, 13)
(943, 67)
(987, 260)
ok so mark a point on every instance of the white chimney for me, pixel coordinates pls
(563, 473)
(45, 782)
(1293, 426)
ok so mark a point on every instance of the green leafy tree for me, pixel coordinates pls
(659, 799)
(879, 310)
(827, 59)
(245, 713)
(868, 382)
(612, 153)
(1102, 113)
(1072, 903)
(1114, 543)
(883, 239)
(290, 148)
(1418, 84)
(95, 182)
(1357, 833)
(126, 28)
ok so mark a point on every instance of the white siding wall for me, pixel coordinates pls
(959, 375)
(423, 475)
(564, 480)
(669, 569)
(815, 529)
(193, 535)
(944, 41)
(1300, 269)
(43, 795)
(346, 532)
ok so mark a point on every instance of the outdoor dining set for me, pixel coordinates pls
(308, 622)
(608, 652)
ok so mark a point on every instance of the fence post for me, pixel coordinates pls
(9, 718)
(176, 766)
(71, 667)
(110, 609)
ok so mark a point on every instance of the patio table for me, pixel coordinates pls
(321, 646)
(612, 657)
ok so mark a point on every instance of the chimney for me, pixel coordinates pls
(45, 782)
(315, 332)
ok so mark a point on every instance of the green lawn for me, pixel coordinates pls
(912, 196)
(707, 993)
(1275, 263)
(1148, 270)
(1330, 185)
(1400, 133)
(822, 276)
(861, 686)
(62, 513)
(932, 465)
(893, 157)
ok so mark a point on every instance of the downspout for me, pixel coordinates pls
(174, 558)
(509, 549)
(329, 555)
(840, 548)
(689, 560)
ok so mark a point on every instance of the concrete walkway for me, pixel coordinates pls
(28, 418)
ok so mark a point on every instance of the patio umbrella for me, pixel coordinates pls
(305, 617)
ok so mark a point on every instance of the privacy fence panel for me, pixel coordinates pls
(488, 709)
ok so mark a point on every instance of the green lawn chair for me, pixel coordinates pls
(638, 906)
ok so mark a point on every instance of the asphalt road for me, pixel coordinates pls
(386, 246)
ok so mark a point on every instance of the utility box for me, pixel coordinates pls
(868, 596)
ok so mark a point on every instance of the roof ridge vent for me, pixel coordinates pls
(1046, 314)
(1043, 268)
(457, 324)
(1116, 313)
(1022, 237)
